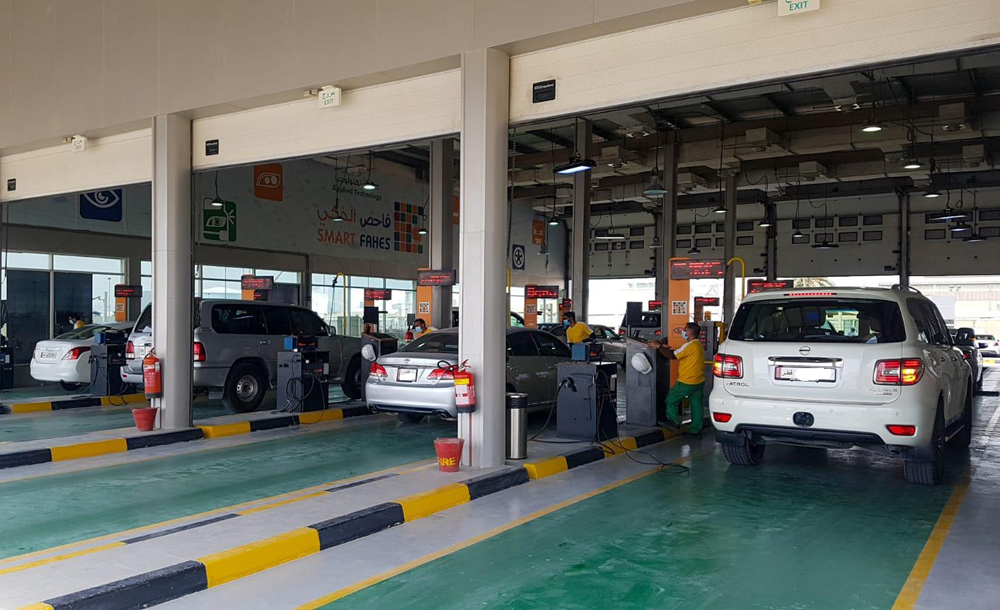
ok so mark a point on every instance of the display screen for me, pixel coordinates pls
(441, 277)
(254, 282)
(378, 294)
(762, 285)
(541, 292)
(706, 301)
(654, 305)
(692, 270)
(127, 291)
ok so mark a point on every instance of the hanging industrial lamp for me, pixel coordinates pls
(369, 185)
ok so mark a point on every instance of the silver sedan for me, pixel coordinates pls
(416, 381)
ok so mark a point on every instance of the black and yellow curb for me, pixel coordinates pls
(173, 582)
(155, 439)
(74, 402)
(561, 463)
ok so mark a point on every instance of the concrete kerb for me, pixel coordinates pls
(58, 453)
(70, 402)
(184, 578)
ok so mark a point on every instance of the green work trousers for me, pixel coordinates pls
(695, 393)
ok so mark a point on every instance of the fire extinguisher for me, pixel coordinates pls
(152, 375)
(465, 389)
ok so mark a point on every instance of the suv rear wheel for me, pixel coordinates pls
(244, 389)
(352, 380)
(744, 454)
(929, 472)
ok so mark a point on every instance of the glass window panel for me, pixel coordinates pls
(28, 260)
(146, 268)
(217, 273)
(400, 284)
(103, 297)
(219, 289)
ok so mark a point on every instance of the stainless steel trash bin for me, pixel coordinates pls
(517, 426)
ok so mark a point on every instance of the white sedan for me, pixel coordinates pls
(66, 358)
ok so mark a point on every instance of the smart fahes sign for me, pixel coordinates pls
(253, 282)
(694, 270)
(439, 277)
(541, 292)
(762, 285)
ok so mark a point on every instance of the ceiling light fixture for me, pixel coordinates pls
(798, 234)
(369, 185)
(576, 165)
(216, 202)
(694, 250)
(610, 237)
(961, 227)
(720, 210)
(951, 214)
(932, 193)
(974, 238)
(871, 126)
(912, 163)
(765, 223)
(655, 189)
(825, 245)
(421, 231)
(553, 222)
(656, 244)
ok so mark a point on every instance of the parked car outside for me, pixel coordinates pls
(612, 344)
(989, 345)
(236, 345)
(842, 367)
(647, 329)
(66, 358)
(965, 340)
(416, 382)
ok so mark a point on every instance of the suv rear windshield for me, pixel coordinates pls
(434, 343)
(834, 320)
(650, 319)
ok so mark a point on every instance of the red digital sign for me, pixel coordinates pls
(253, 282)
(696, 270)
(378, 294)
(762, 285)
(127, 291)
(441, 277)
(541, 292)
(655, 305)
(706, 301)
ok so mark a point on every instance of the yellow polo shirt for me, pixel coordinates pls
(691, 362)
(578, 333)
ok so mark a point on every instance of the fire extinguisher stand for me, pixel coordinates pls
(152, 381)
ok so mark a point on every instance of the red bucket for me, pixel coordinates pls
(449, 453)
(144, 418)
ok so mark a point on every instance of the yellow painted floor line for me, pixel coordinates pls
(399, 470)
(910, 593)
(374, 580)
(42, 562)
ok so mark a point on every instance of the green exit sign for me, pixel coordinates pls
(794, 7)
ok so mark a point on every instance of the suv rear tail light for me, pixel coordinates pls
(199, 352)
(439, 374)
(130, 351)
(722, 417)
(75, 353)
(378, 372)
(899, 372)
(728, 366)
(902, 430)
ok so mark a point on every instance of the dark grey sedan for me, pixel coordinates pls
(415, 381)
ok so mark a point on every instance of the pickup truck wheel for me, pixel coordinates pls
(743, 454)
(929, 472)
(352, 380)
(410, 418)
(244, 389)
(963, 439)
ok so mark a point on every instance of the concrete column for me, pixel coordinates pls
(904, 238)
(133, 277)
(581, 225)
(667, 231)
(482, 250)
(172, 266)
(442, 227)
(771, 243)
(306, 284)
(729, 289)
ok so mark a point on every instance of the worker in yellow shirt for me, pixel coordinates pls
(576, 332)
(690, 384)
(420, 327)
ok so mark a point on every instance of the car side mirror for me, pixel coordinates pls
(333, 331)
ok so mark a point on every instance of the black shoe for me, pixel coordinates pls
(694, 435)
(669, 424)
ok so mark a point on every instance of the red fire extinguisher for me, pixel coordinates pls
(152, 375)
(465, 390)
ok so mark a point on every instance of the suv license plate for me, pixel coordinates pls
(46, 355)
(792, 373)
(406, 375)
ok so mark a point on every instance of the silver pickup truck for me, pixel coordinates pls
(236, 345)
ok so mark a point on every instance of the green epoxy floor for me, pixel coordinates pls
(56, 424)
(808, 529)
(52, 510)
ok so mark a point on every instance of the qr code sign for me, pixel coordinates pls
(424, 307)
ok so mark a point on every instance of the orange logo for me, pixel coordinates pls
(269, 182)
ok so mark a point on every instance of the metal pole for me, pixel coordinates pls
(668, 229)
(729, 290)
(581, 224)
(904, 238)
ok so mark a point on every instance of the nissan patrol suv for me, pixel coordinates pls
(838, 368)
(236, 345)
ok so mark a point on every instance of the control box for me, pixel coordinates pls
(303, 384)
(106, 362)
(645, 394)
(6, 367)
(586, 408)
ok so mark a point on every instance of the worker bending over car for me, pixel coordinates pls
(690, 384)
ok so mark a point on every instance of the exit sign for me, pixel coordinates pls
(794, 7)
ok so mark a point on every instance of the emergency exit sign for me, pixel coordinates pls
(794, 7)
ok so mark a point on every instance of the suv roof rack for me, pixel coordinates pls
(900, 287)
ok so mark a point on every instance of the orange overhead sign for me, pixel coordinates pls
(538, 232)
(269, 181)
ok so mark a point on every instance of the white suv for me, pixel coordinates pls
(842, 367)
